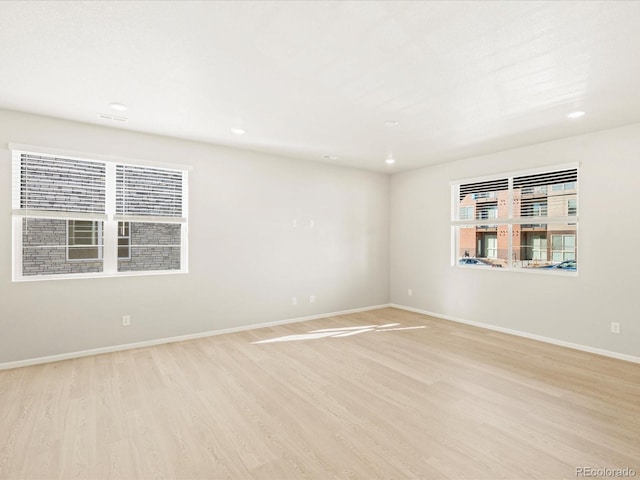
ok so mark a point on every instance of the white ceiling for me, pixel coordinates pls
(307, 79)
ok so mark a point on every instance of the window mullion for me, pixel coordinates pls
(17, 247)
(184, 251)
(110, 233)
(510, 259)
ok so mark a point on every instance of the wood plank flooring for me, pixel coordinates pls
(443, 401)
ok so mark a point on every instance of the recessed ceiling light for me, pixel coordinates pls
(238, 131)
(121, 107)
(575, 114)
(329, 157)
(392, 123)
(389, 161)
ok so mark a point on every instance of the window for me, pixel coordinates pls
(487, 245)
(533, 207)
(564, 186)
(533, 246)
(524, 220)
(77, 217)
(487, 210)
(466, 213)
(563, 247)
(84, 241)
(124, 240)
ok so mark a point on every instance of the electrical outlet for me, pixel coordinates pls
(126, 320)
(312, 299)
(294, 301)
(410, 292)
(615, 327)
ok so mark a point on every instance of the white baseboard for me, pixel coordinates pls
(193, 336)
(562, 343)
(181, 338)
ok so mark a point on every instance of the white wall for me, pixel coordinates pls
(571, 309)
(246, 260)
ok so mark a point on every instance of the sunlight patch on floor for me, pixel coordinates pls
(339, 332)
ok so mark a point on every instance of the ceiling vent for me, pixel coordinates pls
(115, 118)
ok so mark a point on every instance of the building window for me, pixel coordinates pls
(533, 208)
(487, 245)
(533, 246)
(124, 240)
(84, 240)
(77, 217)
(523, 220)
(466, 213)
(563, 247)
(564, 186)
(486, 210)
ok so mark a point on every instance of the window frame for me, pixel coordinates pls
(109, 249)
(456, 223)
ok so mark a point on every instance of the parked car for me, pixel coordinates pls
(476, 262)
(569, 265)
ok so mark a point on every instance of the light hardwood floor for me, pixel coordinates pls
(446, 401)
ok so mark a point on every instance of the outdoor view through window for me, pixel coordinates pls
(525, 220)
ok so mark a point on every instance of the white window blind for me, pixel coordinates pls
(541, 181)
(486, 189)
(56, 184)
(545, 195)
(481, 197)
(147, 191)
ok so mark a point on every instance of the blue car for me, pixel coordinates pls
(477, 262)
(568, 265)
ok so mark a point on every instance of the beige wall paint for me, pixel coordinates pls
(246, 260)
(571, 309)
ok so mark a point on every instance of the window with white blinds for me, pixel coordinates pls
(76, 217)
(60, 184)
(526, 220)
(148, 191)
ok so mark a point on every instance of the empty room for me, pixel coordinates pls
(289, 240)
